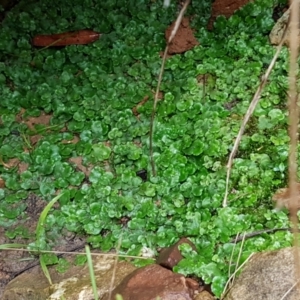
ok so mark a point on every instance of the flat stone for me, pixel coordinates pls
(277, 31)
(74, 284)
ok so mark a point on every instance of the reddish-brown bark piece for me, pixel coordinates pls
(81, 37)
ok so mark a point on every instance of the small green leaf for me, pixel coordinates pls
(76, 178)
(101, 152)
(62, 265)
(80, 260)
(148, 189)
(196, 148)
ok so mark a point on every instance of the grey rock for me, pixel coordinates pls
(276, 33)
(267, 276)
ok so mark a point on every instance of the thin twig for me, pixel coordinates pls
(256, 233)
(249, 113)
(173, 33)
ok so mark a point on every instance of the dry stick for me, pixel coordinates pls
(173, 33)
(293, 131)
(249, 113)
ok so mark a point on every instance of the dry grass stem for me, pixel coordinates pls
(249, 113)
(240, 252)
(229, 281)
(173, 33)
(232, 253)
(238, 259)
(290, 289)
(76, 253)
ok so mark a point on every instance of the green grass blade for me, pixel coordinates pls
(40, 231)
(91, 270)
(40, 226)
(12, 246)
(45, 269)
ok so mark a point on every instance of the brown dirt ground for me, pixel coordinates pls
(225, 8)
(184, 39)
(13, 263)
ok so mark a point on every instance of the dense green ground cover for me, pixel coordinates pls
(92, 89)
